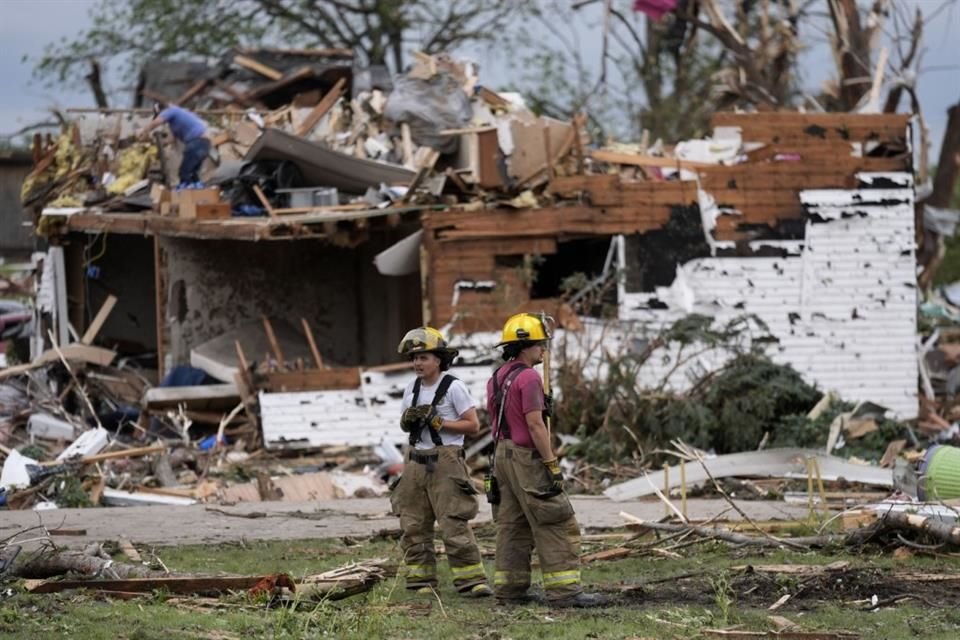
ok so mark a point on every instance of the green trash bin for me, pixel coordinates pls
(940, 474)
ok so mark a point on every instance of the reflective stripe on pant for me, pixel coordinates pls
(558, 579)
(420, 575)
(508, 584)
(445, 496)
(528, 516)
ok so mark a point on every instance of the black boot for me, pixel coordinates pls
(527, 598)
(583, 601)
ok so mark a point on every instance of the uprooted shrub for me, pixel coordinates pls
(730, 409)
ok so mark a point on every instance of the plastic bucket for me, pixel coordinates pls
(940, 474)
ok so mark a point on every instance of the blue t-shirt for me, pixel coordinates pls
(184, 124)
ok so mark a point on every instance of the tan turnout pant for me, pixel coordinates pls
(528, 517)
(436, 487)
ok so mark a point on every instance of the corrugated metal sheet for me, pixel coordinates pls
(360, 417)
(843, 309)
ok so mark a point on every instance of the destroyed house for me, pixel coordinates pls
(813, 233)
(804, 221)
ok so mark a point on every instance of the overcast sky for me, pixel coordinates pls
(27, 25)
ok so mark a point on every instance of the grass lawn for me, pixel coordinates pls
(672, 597)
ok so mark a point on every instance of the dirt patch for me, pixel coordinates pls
(753, 589)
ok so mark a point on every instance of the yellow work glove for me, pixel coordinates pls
(415, 418)
(411, 419)
(556, 475)
(434, 419)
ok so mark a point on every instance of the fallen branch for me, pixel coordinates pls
(111, 455)
(743, 540)
(200, 585)
(47, 563)
(938, 529)
(729, 500)
(79, 387)
(345, 581)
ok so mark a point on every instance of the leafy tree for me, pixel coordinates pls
(129, 32)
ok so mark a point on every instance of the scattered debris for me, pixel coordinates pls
(777, 463)
(674, 272)
(47, 569)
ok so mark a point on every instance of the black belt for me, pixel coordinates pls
(423, 458)
(427, 458)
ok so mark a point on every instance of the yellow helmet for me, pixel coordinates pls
(525, 327)
(426, 340)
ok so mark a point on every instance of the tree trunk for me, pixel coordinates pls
(945, 532)
(96, 85)
(948, 166)
(932, 247)
(46, 564)
(851, 50)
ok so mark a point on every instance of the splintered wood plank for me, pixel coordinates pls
(789, 119)
(407, 141)
(213, 584)
(258, 67)
(334, 379)
(263, 200)
(325, 104)
(96, 492)
(127, 548)
(425, 168)
(113, 455)
(308, 332)
(193, 91)
(99, 319)
(489, 151)
(272, 339)
(640, 160)
(266, 89)
(617, 553)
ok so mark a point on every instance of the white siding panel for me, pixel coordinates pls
(842, 306)
(843, 310)
(360, 417)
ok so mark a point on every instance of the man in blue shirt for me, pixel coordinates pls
(189, 129)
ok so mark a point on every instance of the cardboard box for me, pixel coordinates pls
(213, 210)
(188, 199)
(160, 195)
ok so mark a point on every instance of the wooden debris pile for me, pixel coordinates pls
(32, 556)
(81, 427)
(435, 138)
(457, 141)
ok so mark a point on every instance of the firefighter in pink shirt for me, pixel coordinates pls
(526, 486)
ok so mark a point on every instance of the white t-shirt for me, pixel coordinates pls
(455, 403)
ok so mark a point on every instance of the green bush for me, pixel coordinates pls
(725, 411)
